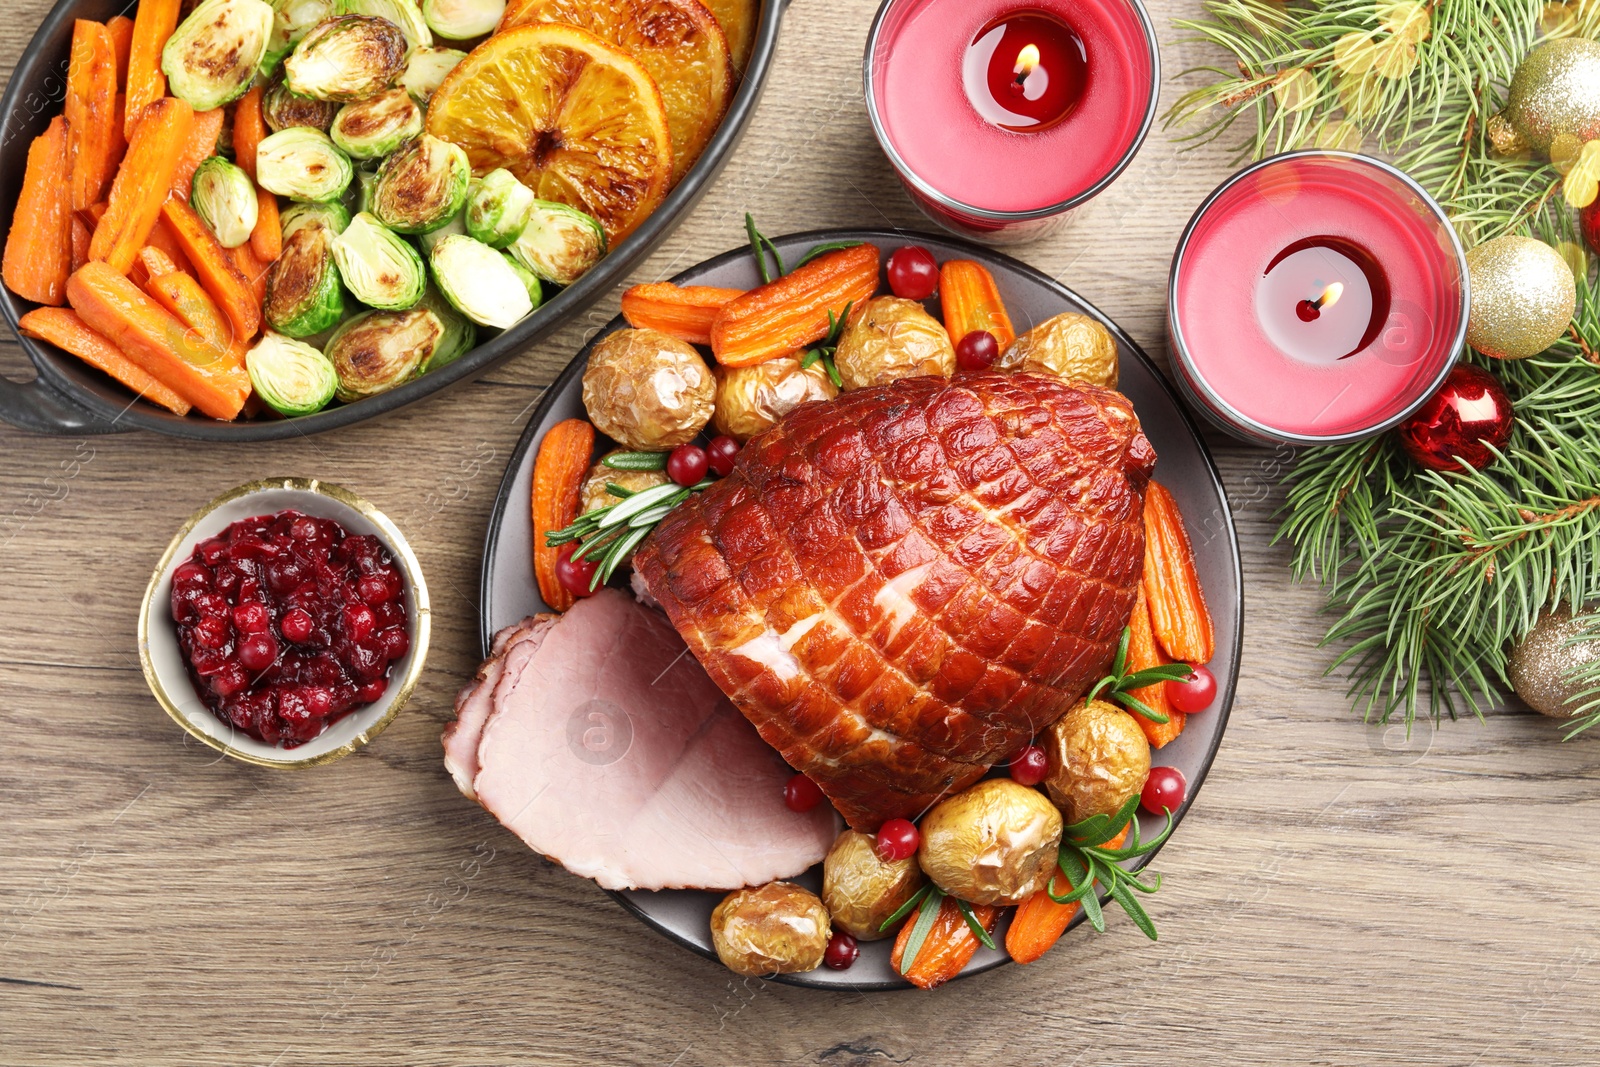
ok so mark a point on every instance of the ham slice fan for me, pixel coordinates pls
(596, 739)
(900, 587)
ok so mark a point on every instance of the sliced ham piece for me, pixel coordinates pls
(603, 745)
(476, 701)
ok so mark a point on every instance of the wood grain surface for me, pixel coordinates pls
(1341, 894)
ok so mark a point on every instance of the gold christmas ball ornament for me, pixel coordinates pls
(1556, 90)
(1543, 661)
(1523, 297)
(1504, 138)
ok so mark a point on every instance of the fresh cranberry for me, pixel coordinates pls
(191, 575)
(375, 588)
(284, 575)
(372, 692)
(721, 453)
(252, 618)
(359, 622)
(1194, 693)
(842, 951)
(1029, 766)
(898, 839)
(575, 576)
(1163, 791)
(977, 351)
(297, 626)
(395, 642)
(258, 652)
(913, 273)
(687, 465)
(801, 793)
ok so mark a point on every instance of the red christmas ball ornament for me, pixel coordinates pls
(1589, 223)
(1470, 412)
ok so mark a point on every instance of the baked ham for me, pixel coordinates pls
(900, 587)
(601, 743)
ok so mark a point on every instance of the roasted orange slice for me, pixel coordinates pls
(677, 41)
(738, 21)
(575, 118)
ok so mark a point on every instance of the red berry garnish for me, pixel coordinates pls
(977, 351)
(1163, 791)
(842, 951)
(913, 273)
(297, 625)
(897, 840)
(721, 453)
(1029, 766)
(687, 465)
(575, 576)
(1194, 693)
(802, 794)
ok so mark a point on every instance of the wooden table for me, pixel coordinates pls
(1341, 894)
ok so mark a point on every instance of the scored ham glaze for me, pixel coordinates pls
(900, 587)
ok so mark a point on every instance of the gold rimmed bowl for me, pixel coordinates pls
(163, 662)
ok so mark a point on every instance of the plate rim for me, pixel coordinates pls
(981, 253)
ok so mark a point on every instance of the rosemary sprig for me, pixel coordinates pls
(1119, 684)
(608, 534)
(905, 909)
(829, 346)
(1086, 858)
(760, 246)
(636, 461)
(824, 249)
(932, 904)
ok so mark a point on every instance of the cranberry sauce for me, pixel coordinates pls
(288, 623)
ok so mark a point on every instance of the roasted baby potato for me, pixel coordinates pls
(750, 400)
(995, 843)
(1098, 758)
(888, 338)
(861, 890)
(776, 929)
(647, 390)
(1071, 346)
(594, 495)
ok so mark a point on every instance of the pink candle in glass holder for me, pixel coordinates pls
(1316, 298)
(1001, 117)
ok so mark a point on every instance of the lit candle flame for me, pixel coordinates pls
(1027, 59)
(1330, 296)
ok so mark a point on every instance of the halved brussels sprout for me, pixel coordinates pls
(290, 376)
(334, 216)
(347, 58)
(403, 13)
(284, 110)
(303, 164)
(372, 128)
(530, 280)
(377, 351)
(560, 243)
(293, 19)
(380, 268)
(304, 293)
(460, 332)
(225, 197)
(462, 20)
(213, 56)
(497, 209)
(456, 227)
(426, 69)
(480, 283)
(422, 185)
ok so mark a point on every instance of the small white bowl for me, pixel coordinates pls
(162, 659)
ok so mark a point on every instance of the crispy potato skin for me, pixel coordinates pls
(889, 338)
(647, 390)
(779, 928)
(861, 890)
(1098, 758)
(996, 843)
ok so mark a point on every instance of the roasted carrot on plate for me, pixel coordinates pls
(153, 23)
(91, 111)
(1178, 610)
(970, 301)
(1039, 921)
(201, 146)
(687, 312)
(941, 944)
(1144, 653)
(558, 474)
(142, 184)
(38, 256)
(791, 312)
(234, 292)
(63, 328)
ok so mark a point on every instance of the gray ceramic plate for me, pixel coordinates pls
(509, 591)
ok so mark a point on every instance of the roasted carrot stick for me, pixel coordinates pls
(249, 130)
(156, 262)
(791, 312)
(81, 236)
(948, 946)
(63, 328)
(142, 184)
(201, 146)
(38, 255)
(157, 341)
(233, 291)
(254, 269)
(1178, 610)
(266, 240)
(1144, 653)
(192, 305)
(119, 141)
(121, 31)
(686, 312)
(90, 109)
(1040, 921)
(558, 474)
(971, 301)
(162, 237)
(153, 24)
